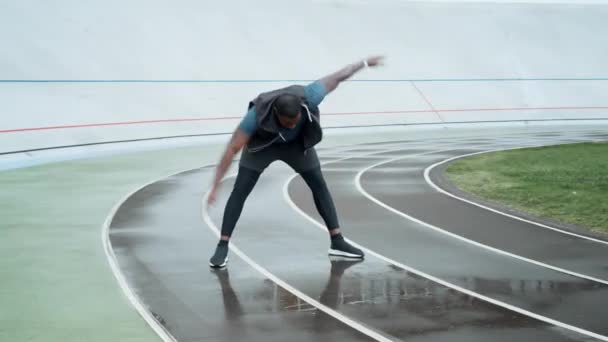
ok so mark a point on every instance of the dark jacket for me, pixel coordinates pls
(267, 131)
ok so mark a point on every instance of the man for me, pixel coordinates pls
(283, 124)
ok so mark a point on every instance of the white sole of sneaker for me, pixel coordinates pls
(336, 252)
(219, 266)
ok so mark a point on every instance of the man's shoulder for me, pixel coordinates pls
(248, 123)
(315, 93)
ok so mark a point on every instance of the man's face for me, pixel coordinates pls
(289, 122)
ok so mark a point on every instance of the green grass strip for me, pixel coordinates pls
(567, 183)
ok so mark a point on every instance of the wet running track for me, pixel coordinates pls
(436, 268)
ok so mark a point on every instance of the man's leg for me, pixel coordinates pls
(325, 205)
(251, 167)
(308, 166)
(322, 198)
(245, 182)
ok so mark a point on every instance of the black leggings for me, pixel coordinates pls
(246, 180)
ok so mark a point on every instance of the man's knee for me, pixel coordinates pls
(245, 181)
(314, 177)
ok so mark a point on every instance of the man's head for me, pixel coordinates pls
(286, 109)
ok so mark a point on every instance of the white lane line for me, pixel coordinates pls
(459, 237)
(329, 311)
(429, 181)
(137, 302)
(438, 280)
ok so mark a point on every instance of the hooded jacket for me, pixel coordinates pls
(268, 127)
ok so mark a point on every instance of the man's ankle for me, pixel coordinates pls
(336, 237)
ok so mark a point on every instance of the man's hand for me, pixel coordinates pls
(332, 81)
(212, 196)
(375, 61)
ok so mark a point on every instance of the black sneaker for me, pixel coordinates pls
(220, 257)
(339, 247)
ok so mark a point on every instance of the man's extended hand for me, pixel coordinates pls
(375, 61)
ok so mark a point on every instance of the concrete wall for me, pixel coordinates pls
(238, 48)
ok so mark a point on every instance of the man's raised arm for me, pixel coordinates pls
(332, 81)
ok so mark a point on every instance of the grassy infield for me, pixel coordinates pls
(568, 183)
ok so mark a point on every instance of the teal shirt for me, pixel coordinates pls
(315, 93)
